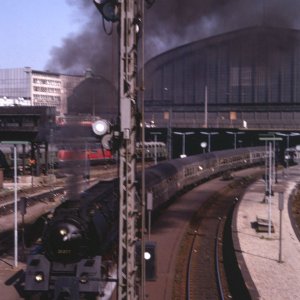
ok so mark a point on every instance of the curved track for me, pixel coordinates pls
(211, 246)
(174, 233)
(213, 189)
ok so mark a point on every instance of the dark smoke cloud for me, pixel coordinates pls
(89, 48)
(169, 23)
(172, 23)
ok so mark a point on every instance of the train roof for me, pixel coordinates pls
(181, 162)
(159, 172)
(227, 153)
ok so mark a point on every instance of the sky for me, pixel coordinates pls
(67, 36)
(31, 28)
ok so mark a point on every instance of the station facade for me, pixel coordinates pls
(248, 78)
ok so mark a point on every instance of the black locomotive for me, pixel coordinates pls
(82, 232)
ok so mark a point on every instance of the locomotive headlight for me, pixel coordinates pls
(39, 277)
(63, 232)
(65, 240)
(83, 278)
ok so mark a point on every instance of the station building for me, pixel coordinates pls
(25, 86)
(249, 78)
(87, 95)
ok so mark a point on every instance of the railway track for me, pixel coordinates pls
(207, 260)
(7, 207)
(45, 195)
(44, 192)
(47, 192)
(29, 233)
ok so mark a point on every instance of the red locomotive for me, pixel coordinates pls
(95, 154)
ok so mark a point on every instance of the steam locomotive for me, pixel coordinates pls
(81, 235)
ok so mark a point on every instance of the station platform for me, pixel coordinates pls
(271, 271)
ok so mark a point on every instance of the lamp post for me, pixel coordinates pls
(155, 145)
(205, 106)
(269, 171)
(235, 134)
(288, 135)
(168, 117)
(183, 134)
(209, 138)
(220, 121)
(15, 143)
(203, 146)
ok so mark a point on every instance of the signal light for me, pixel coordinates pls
(102, 128)
(147, 255)
(109, 134)
(150, 259)
(108, 9)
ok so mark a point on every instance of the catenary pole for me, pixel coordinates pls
(127, 266)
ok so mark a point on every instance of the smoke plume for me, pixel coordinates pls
(168, 24)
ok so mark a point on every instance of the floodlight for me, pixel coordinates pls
(100, 127)
(108, 9)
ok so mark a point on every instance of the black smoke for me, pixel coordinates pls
(89, 48)
(168, 24)
(94, 96)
